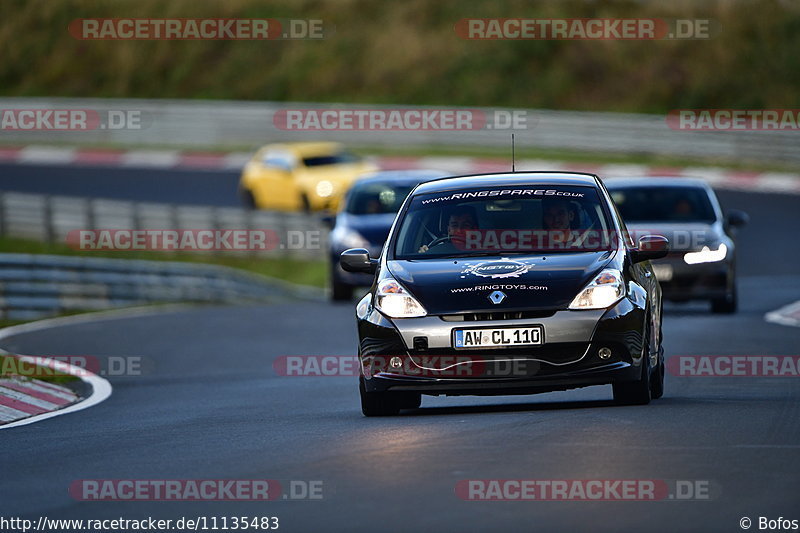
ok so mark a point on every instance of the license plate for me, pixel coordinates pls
(663, 272)
(497, 338)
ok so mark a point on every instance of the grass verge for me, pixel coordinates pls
(302, 272)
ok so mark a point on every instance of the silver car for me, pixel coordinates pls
(702, 259)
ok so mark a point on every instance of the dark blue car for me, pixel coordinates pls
(364, 220)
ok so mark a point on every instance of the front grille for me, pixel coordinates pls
(496, 315)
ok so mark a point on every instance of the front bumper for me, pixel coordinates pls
(694, 282)
(395, 357)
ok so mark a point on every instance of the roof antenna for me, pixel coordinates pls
(513, 165)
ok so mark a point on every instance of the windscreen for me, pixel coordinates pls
(376, 197)
(334, 159)
(663, 204)
(512, 220)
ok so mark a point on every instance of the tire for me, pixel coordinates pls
(305, 205)
(341, 292)
(727, 305)
(636, 392)
(410, 400)
(386, 403)
(247, 198)
(657, 379)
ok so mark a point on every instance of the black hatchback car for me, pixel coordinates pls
(511, 283)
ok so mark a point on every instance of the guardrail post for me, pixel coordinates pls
(136, 216)
(49, 230)
(173, 215)
(2, 213)
(90, 218)
(248, 223)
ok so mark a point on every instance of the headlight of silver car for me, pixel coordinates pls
(706, 255)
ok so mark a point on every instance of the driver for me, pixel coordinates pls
(557, 218)
(461, 220)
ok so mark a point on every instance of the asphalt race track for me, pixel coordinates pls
(210, 406)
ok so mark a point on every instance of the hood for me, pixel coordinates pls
(683, 237)
(530, 282)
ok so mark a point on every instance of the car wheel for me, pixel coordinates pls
(341, 292)
(305, 205)
(657, 379)
(247, 198)
(386, 403)
(636, 392)
(728, 304)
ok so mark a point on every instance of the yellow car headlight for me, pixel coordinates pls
(324, 189)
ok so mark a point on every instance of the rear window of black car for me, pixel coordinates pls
(663, 204)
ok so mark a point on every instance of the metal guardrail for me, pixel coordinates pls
(51, 218)
(34, 286)
(203, 123)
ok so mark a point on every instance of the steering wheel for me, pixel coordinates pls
(437, 242)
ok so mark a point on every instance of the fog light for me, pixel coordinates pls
(604, 353)
(395, 362)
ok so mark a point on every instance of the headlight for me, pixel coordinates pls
(324, 188)
(706, 255)
(348, 238)
(604, 291)
(394, 301)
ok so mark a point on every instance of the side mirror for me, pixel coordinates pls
(650, 247)
(737, 218)
(357, 260)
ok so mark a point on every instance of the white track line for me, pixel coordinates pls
(788, 315)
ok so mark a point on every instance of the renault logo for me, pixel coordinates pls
(497, 296)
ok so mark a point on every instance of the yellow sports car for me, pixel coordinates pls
(309, 176)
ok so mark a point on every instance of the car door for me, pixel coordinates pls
(276, 187)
